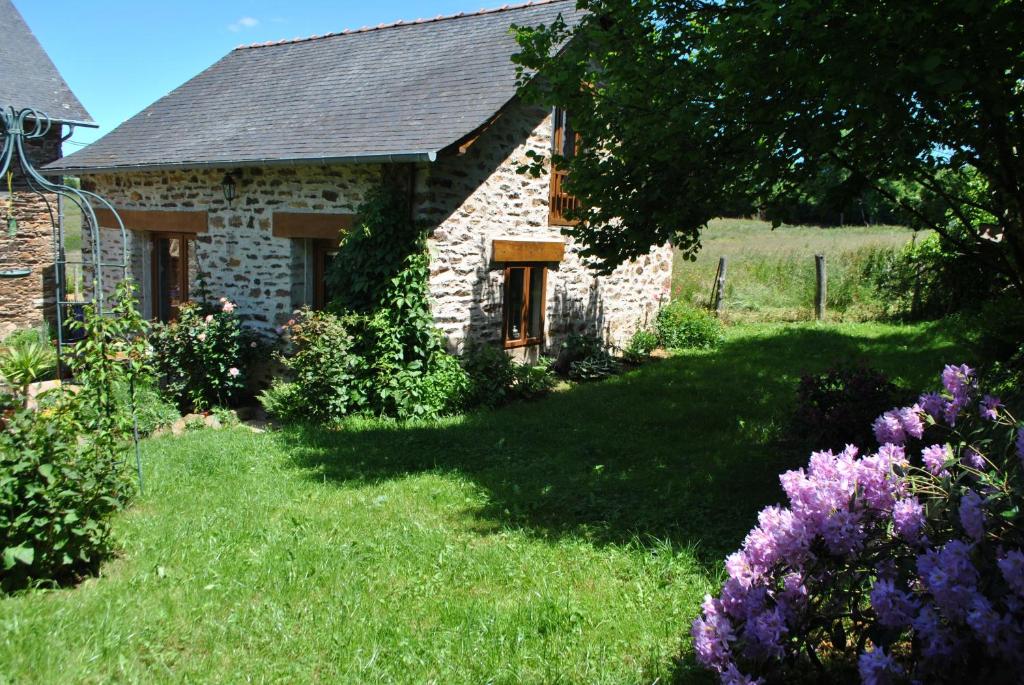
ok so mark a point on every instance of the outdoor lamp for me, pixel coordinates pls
(228, 186)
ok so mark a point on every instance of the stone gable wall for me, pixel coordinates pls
(472, 200)
(28, 301)
(480, 197)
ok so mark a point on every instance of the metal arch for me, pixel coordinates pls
(17, 126)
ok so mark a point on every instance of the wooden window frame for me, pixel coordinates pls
(183, 284)
(560, 201)
(524, 340)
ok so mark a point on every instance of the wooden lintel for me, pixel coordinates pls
(528, 251)
(192, 221)
(317, 226)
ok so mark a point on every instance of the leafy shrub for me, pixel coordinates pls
(446, 387)
(491, 373)
(577, 347)
(324, 371)
(25, 363)
(61, 468)
(904, 565)
(534, 380)
(593, 368)
(54, 498)
(24, 336)
(202, 358)
(641, 345)
(681, 327)
(836, 408)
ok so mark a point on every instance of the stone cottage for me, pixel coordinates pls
(247, 174)
(29, 80)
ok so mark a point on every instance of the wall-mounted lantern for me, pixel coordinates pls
(228, 186)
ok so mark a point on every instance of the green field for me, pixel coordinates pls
(567, 540)
(771, 273)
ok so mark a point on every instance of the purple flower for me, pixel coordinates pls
(889, 429)
(764, 634)
(938, 643)
(932, 404)
(894, 607)
(950, 576)
(712, 633)
(999, 633)
(1020, 442)
(1012, 567)
(990, 407)
(974, 459)
(732, 676)
(972, 515)
(910, 417)
(908, 518)
(740, 570)
(958, 380)
(843, 532)
(935, 458)
(877, 668)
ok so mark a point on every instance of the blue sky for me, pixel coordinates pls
(121, 55)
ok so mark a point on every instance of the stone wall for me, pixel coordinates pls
(480, 197)
(28, 301)
(472, 200)
(240, 257)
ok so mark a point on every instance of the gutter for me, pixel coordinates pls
(388, 158)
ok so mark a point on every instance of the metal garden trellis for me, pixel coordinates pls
(17, 126)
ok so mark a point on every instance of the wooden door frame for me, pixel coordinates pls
(524, 312)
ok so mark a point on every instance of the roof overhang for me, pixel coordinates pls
(386, 158)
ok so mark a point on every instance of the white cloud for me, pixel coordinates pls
(242, 24)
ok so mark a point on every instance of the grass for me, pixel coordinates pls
(770, 274)
(568, 540)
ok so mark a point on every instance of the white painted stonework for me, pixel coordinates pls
(470, 199)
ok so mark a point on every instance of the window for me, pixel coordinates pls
(525, 287)
(565, 144)
(324, 252)
(170, 274)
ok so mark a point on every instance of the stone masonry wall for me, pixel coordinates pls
(480, 197)
(472, 200)
(28, 301)
(239, 255)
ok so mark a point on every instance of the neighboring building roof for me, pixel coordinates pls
(398, 92)
(28, 78)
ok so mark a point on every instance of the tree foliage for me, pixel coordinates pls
(685, 106)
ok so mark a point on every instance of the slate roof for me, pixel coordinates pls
(399, 92)
(28, 78)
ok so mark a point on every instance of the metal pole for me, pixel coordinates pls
(821, 294)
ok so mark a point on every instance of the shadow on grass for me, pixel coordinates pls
(685, 450)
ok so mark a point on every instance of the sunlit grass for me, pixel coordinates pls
(566, 540)
(771, 272)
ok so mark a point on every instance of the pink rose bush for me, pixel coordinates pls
(203, 356)
(900, 564)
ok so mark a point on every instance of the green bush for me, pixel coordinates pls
(202, 358)
(593, 368)
(681, 327)
(534, 380)
(54, 499)
(641, 345)
(324, 372)
(492, 374)
(446, 387)
(25, 336)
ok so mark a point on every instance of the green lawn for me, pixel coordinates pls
(770, 274)
(568, 540)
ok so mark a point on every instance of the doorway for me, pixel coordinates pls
(170, 274)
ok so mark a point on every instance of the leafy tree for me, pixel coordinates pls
(686, 105)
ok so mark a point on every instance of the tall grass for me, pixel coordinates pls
(771, 275)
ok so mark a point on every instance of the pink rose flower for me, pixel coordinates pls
(202, 337)
(233, 372)
(229, 307)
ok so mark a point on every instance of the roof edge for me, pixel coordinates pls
(387, 158)
(398, 24)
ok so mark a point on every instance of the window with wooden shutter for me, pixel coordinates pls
(525, 297)
(565, 144)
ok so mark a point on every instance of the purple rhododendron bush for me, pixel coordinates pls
(904, 564)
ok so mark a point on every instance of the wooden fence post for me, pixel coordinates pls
(719, 301)
(821, 294)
